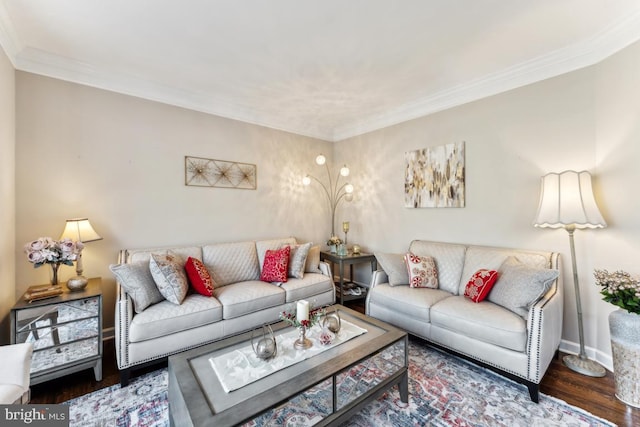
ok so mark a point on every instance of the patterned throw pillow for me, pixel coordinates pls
(199, 277)
(297, 260)
(422, 271)
(276, 265)
(480, 284)
(170, 278)
(137, 281)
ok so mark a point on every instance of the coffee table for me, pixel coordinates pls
(196, 397)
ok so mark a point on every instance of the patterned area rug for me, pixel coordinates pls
(444, 391)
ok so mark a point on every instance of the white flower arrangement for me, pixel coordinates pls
(45, 250)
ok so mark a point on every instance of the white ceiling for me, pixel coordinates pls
(330, 69)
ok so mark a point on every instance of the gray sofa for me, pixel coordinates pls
(519, 344)
(240, 301)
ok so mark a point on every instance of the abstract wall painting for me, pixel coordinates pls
(219, 173)
(434, 177)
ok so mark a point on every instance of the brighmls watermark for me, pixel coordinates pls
(34, 415)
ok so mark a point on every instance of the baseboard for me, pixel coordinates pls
(592, 353)
(108, 333)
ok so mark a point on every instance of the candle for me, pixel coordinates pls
(302, 310)
(345, 226)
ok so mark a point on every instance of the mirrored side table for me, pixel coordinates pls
(66, 332)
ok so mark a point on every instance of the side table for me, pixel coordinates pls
(349, 259)
(66, 332)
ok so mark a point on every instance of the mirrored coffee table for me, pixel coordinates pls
(338, 382)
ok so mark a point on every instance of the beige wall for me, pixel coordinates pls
(585, 120)
(119, 161)
(7, 193)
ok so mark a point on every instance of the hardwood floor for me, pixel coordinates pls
(595, 395)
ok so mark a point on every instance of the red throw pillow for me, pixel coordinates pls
(199, 277)
(480, 284)
(276, 265)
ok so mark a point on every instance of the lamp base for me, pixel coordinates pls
(77, 283)
(584, 366)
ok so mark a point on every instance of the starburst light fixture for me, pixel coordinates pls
(334, 192)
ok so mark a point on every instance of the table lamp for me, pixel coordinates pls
(79, 230)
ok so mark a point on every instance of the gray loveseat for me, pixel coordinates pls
(240, 301)
(518, 342)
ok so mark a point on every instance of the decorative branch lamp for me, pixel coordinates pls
(334, 193)
(79, 230)
(566, 201)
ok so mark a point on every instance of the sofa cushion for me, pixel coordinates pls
(485, 322)
(480, 284)
(413, 302)
(137, 281)
(422, 271)
(395, 267)
(276, 265)
(297, 260)
(231, 262)
(170, 277)
(519, 286)
(312, 264)
(247, 297)
(311, 284)
(449, 259)
(478, 257)
(165, 318)
(199, 277)
(263, 245)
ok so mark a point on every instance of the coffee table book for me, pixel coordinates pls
(197, 398)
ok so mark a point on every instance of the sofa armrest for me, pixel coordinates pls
(122, 320)
(325, 268)
(545, 326)
(377, 277)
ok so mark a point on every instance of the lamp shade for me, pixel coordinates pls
(80, 230)
(566, 199)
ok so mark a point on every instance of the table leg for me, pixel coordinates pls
(341, 282)
(403, 387)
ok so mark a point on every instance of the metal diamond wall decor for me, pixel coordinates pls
(202, 172)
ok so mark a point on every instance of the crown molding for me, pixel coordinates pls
(571, 58)
(562, 61)
(9, 39)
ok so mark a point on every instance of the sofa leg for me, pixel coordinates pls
(534, 391)
(125, 376)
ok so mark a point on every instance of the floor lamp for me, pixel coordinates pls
(566, 201)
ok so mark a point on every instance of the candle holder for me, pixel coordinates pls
(302, 342)
(345, 228)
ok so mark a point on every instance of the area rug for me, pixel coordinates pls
(444, 391)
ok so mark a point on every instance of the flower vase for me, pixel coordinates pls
(624, 328)
(54, 273)
(302, 342)
(333, 249)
